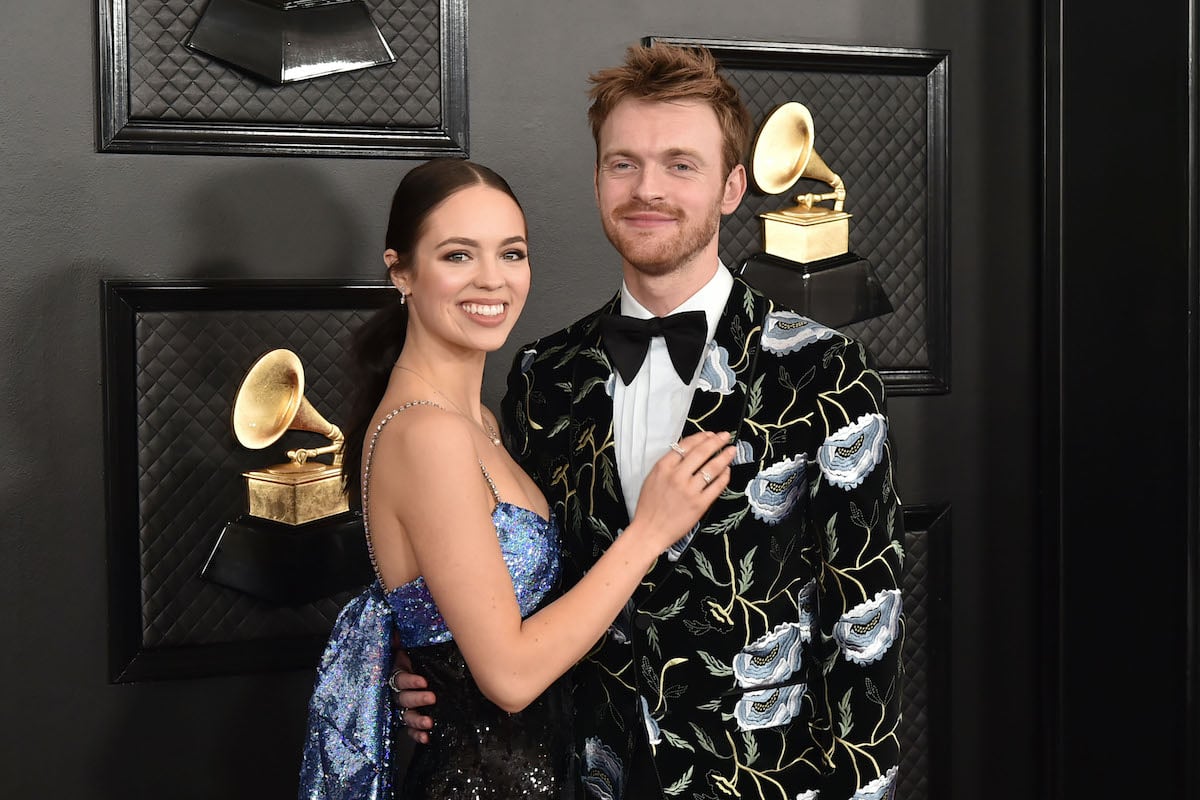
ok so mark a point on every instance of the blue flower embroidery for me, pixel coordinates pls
(806, 608)
(676, 550)
(603, 775)
(786, 332)
(769, 707)
(743, 452)
(811, 794)
(851, 452)
(882, 788)
(715, 374)
(527, 357)
(610, 384)
(774, 492)
(653, 734)
(866, 631)
(771, 658)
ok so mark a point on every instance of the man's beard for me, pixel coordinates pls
(654, 256)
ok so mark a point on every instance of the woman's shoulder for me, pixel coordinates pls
(423, 432)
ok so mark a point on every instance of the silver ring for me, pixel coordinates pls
(391, 681)
(675, 446)
(707, 478)
(403, 721)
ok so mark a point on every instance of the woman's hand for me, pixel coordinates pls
(410, 692)
(681, 487)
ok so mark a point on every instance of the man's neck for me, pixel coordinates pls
(662, 294)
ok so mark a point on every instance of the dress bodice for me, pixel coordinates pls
(529, 544)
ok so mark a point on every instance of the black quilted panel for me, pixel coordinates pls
(169, 82)
(190, 364)
(871, 130)
(914, 778)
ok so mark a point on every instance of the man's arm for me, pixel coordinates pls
(856, 517)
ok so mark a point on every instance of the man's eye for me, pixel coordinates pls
(681, 167)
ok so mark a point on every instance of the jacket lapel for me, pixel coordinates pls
(725, 391)
(597, 510)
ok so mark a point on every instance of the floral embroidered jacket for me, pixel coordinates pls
(760, 654)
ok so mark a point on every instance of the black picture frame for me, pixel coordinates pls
(134, 520)
(121, 131)
(889, 337)
(925, 727)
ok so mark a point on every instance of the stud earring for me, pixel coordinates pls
(403, 297)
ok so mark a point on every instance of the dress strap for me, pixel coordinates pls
(491, 483)
(366, 476)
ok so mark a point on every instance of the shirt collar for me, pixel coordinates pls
(709, 298)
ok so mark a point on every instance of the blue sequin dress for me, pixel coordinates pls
(476, 750)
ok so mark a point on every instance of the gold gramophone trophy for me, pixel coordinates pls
(269, 403)
(783, 154)
(806, 263)
(298, 543)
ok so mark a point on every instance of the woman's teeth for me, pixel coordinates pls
(483, 311)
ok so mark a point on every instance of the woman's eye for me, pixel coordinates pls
(457, 255)
(515, 255)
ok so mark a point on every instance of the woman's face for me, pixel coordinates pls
(469, 275)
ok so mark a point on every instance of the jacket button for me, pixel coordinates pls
(642, 622)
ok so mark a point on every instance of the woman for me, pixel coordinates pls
(464, 547)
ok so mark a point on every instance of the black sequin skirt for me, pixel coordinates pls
(476, 750)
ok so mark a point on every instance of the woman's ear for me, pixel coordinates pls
(396, 272)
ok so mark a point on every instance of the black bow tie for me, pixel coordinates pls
(627, 339)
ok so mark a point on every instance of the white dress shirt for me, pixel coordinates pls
(649, 413)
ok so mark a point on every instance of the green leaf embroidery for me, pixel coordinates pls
(560, 425)
(746, 570)
(751, 747)
(831, 547)
(748, 304)
(671, 611)
(703, 565)
(756, 398)
(595, 354)
(727, 524)
(677, 741)
(588, 385)
(652, 638)
(711, 705)
(714, 665)
(845, 718)
(606, 477)
(680, 785)
(805, 379)
(785, 379)
(703, 740)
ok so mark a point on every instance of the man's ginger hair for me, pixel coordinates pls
(669, 73)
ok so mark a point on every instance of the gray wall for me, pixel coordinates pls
(70, 216)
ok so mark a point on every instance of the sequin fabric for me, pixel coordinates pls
(476, 751)
(529, 545)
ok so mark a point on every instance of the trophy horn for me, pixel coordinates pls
(271, 402)
(784, 153)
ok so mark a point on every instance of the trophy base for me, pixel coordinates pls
(287, 565)
(835, 291)
(295, 496)
(805, 235)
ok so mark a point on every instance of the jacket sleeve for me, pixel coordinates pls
(855, 517)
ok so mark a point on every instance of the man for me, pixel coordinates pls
(760, 656)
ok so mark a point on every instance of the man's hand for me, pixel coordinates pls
(410, 691)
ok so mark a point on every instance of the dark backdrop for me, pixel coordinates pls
(70, 216)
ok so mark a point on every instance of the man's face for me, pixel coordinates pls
(660, 184)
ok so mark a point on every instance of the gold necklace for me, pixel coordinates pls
(485, 426)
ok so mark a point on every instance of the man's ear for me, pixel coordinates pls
(735, 189)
